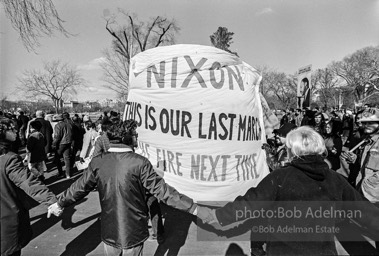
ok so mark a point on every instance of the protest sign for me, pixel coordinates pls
(200, 116)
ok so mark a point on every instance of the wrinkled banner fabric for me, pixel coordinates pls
(200, 119)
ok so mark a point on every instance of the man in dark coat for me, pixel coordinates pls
(18, 187)
(35, 147)
(62, 145)
(23, 124)
(46, 130)
(122, 178)
(77, 138)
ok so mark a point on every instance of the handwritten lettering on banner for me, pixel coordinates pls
(227, 75)
(200, 118)
(177, 123)
(204, 167)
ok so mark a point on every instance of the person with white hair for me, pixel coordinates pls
(46, 130)
(305, 181)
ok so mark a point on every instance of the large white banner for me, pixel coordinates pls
(199, 115)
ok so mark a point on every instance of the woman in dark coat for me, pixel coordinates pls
(18, 186)
(306, 180)
(319, 123)
(333, 144)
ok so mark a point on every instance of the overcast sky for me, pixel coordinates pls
(284, 35)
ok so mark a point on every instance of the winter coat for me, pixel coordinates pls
(36, 147)
(47, 131)
(334, 141)
(62, 134)
(122, 180)
(88, 142)
(306, 179)
(23, 122)
(77, 134)
(18, 186)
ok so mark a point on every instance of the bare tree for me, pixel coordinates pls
(285, 90)
(57, 81)
(360, 71)
(278, 88)
(116, 73)
(267, 80)
(327, 83)
(3, 102)
(222, 39)
(33, 19)
(129, 39)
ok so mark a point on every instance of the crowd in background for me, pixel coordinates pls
(66, 136)
(78, 139)
(340, 128)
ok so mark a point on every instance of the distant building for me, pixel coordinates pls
(71, 104)
(108, 103)
(91, 105)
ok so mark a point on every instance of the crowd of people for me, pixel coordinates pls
(305, 154)
(342, 130)
(60, 135)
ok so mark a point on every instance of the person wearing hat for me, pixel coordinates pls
(280, 156)
(368, 178)
(62, 145)
(17, 185)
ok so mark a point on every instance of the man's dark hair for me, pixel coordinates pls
(124, 131)
(106, 125)
(66, 115)
(36, 125)
(89, 125)
(21, 113)
(129, 130)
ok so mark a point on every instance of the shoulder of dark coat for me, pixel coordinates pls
(107, 155)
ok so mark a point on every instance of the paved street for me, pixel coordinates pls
(77, 232)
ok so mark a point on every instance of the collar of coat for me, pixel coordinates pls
(119, 149)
